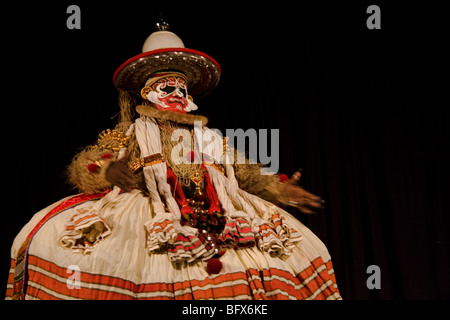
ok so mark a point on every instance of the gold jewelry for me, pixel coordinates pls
(145, 91)
(146, 161)
(197, 178)
(112, 139)
(226, 147)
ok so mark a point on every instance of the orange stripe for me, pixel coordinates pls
(36, 293)
(162, 226)
(255, 283)
(10, 291)
(62, 288)
(267, 231)
(223, 292)
(246, 239)
(84, 218)
(274, 283)
(117, 282)
(314, 284)
(83, 293)
(164, 223)
(219, 289)
(265, 227)
(162, 230)
(85, 277)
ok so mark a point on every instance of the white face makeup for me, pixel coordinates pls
(170, 93)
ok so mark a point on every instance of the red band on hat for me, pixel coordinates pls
(163, 50)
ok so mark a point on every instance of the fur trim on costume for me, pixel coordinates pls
(268, 187)
(152, 112)
(85, 180)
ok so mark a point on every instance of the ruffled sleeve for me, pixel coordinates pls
(181, 243)
(84, 230)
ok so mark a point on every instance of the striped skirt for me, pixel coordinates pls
(121, 266)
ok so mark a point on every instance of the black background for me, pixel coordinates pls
(357, 109)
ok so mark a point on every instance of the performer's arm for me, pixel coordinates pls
(87, 171)
(268, 187)
(96, 168)
(271, 188)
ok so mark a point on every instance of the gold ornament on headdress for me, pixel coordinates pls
(112, 139)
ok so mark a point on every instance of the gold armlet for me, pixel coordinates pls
(137, 164)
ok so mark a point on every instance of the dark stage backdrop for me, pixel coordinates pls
(357, 109)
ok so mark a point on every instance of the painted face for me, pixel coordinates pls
(170, 93)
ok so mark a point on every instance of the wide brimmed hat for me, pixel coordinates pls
(164, 50)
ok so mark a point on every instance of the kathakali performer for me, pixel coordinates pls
(166, 214)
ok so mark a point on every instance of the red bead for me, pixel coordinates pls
(93, 167)
(107, 156)
(214, 266)
(283, 177)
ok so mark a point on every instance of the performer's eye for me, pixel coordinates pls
(168, 89)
